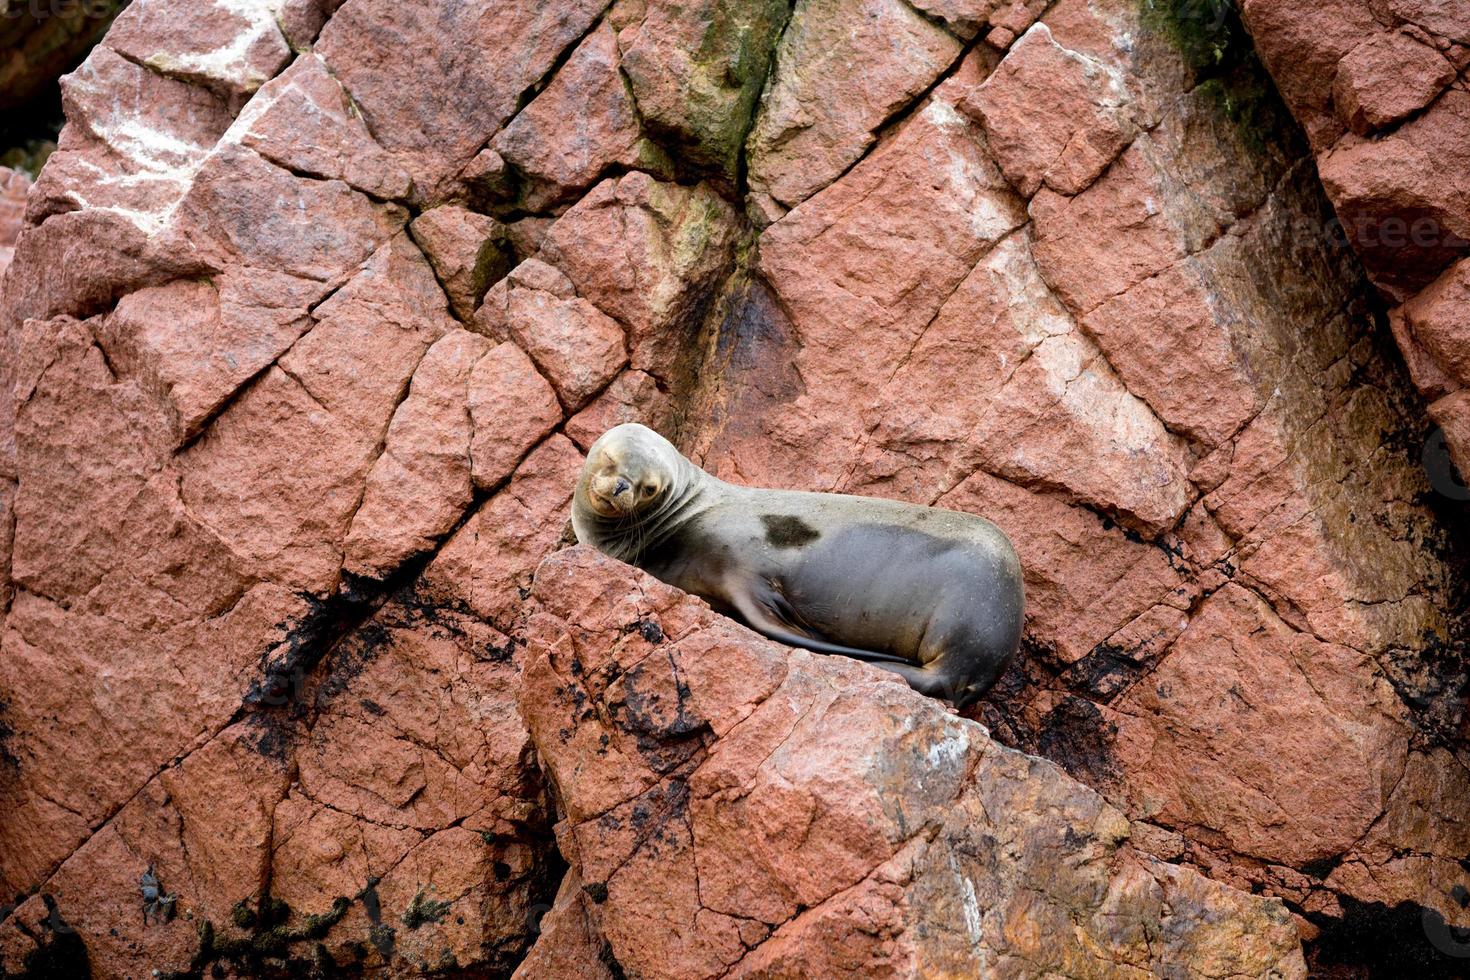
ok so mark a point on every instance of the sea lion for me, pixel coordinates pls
(932, 595)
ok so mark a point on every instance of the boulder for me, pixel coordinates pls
(1388, 75)
(843, 67)
(695, 71)
(469, 252)
(232, 48)
(732, 807)
(584, 123)
(435, 116)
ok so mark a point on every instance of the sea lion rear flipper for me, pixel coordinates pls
(768, 612)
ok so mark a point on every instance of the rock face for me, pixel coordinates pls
(1381, 92)
(734, 808)
(13, 188)
(318, 305)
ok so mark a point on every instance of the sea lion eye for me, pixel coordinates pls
(648, 489)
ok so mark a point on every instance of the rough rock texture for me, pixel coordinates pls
(13, 188)
(469, 253)
(824, 117)
(695, 70)
(584, 123)
(317, 306)
(1381, 91)
(734, 808)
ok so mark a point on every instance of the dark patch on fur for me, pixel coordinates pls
(784, 531)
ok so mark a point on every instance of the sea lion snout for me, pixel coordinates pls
(610, 496)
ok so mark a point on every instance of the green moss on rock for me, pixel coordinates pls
(423, 910)
(696, 71)
(1219, 55)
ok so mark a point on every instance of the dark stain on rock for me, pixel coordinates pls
(1076, 736)
(667, 731)
(343, 634)
(597, 891)
(610, 961)
(371, 904)
(423, 910)
(307, 640)
(61, 952)
(1375, 940)
(8, 759)
(242, 915)
(648, 629)
(268, 736)
(1105, 671)
(785, 531)
(656, 817)
(500, 654)
(271, 939)
(316, 926)
(383, 938)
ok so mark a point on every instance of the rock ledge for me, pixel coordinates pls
(731, 807)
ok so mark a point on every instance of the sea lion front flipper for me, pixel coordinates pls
(767, 611)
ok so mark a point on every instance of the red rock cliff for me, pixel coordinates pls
(317, 306)
(1380, 90)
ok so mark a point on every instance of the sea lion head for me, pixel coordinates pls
(630, 470)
